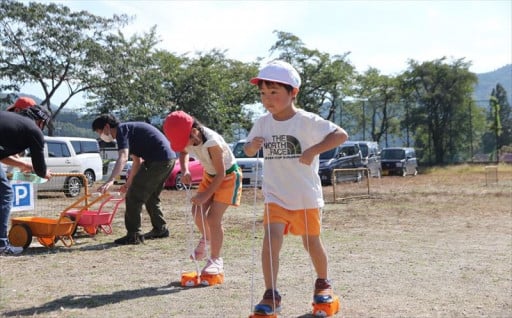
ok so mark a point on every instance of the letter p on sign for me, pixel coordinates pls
(23, 196)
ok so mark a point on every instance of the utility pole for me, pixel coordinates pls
(364, 122)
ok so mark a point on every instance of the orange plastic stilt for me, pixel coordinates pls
(326, 309)
(190, 279)
(210, 280)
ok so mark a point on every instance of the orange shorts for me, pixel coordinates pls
(298, 222)
(229, 191)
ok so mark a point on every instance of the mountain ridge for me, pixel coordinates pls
(487, 81)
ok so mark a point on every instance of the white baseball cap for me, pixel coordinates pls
(278, 71)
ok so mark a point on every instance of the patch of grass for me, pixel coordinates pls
(436, 244)
(465, 168)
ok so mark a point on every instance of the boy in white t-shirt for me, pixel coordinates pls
(292, 140)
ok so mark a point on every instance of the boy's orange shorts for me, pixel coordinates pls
(229, 191)
(298, 222)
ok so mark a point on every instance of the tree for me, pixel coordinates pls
(214, 89)
(499, 94)
(130, 68)
(495, 122)
(499, 118)
(50, 45)
(378, 96)
(326, 79)
(442, 91)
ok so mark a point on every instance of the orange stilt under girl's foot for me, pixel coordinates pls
(210, 280)
(190, 279)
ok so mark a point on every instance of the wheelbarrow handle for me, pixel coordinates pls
(97, 194)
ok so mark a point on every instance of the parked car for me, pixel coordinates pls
(174, 179)
(121, 178)
(71, 155)
(370, 152)
(399, 161)
(347, 155)
(252, 167)
(506, 157)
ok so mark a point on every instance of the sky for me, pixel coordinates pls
(382, 34)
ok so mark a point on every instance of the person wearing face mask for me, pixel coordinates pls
(18, 133)
(152, 159)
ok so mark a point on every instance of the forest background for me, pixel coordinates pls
(430, 106)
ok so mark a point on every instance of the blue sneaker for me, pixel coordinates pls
(10, 250)
(323, 292)
(270, 304)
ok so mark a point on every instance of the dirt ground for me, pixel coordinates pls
(435, 245)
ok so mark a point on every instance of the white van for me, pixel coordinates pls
(71, 155)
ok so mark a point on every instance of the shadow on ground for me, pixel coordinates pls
(92, 301)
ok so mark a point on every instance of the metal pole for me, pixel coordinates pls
(470, 132)
(341, 113)
(364, 123)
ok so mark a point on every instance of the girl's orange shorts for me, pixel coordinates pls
(229, 191)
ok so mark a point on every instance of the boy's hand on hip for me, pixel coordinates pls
(307, 157)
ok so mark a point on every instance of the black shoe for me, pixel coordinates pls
(154, 234)
(130, 239)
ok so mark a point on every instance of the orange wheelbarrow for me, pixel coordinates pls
(47, 230)
(94, 220)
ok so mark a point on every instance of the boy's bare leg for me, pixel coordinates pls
(317, 253)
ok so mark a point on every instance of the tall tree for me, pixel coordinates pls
(326, 79)
(499, 118)
(443, 91)
(134, 80)
(52, 46)
(214, 89)
(378, 96)
(505, 114)
(495, 122)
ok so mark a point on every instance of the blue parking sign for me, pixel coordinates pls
(23, 196)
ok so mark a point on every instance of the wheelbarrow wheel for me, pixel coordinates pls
(20, 235)
(47, 241)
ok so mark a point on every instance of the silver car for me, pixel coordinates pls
(252, 167)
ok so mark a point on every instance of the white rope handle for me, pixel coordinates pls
(311, 266)
(254, 230)
(256, 181)
(190, 225)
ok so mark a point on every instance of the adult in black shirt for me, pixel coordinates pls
(153, 160)
(18, 133)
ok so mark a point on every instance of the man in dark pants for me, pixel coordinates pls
(153, 160)
(18, 133)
